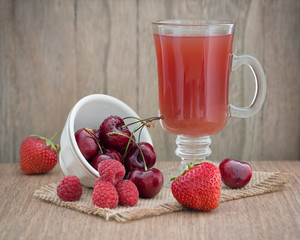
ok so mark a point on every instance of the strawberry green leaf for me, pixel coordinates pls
(48, 142)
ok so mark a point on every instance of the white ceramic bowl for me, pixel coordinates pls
(89, 112)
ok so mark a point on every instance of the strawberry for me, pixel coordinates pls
(199, 187)
(38, 154)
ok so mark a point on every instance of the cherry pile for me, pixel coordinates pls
(114, 140)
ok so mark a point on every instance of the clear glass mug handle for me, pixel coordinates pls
(260, 86)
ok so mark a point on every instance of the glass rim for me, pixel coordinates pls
(195, 22)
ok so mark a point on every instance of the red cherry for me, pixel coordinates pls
(96, 133)
(130, 148)
(86, 143)
(113, 153)
(98, 159)
(113, 134)
(135, 160)
(148, 182)
(108, 153)
(234, 173)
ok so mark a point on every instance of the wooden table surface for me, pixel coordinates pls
(269, 216)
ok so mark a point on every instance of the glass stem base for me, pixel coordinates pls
(189, 150)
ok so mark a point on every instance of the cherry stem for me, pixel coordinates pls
(143, 157)
(89, 131)
(142, 123)
(145, 121)
(141, 128)
(127, 146)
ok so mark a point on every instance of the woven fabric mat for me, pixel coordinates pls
(164, 202)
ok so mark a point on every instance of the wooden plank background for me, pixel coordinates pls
(52, 53)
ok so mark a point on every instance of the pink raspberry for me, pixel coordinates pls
(105, 195)
(97, 181)
(69, 189)
(111, 170)
(128, 193)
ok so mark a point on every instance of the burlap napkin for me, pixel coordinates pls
(164, 202)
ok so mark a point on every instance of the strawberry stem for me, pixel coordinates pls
(57, 147)
(54, 136)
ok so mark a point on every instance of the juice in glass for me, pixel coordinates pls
(193, 79)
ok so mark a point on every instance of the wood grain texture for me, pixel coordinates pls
(268, 216)
(52, 53)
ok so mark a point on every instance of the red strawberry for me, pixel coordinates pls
(38, 154)
(199, 187)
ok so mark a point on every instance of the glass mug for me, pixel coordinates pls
(194, 61)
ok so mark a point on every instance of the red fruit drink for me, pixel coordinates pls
(193, 79)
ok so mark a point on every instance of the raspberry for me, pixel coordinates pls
(105, 195)
(128, 193)
(97, 181)
(69, 189)
(111, 170)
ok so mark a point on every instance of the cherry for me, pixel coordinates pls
(108, 153)
(96, 133)
(98, 159)
(113, 153)
(135, 159)
(87, 144)
(126, 150)
(113, 133)
(148, 182)
(234, 173)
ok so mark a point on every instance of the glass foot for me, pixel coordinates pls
(189, 150)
